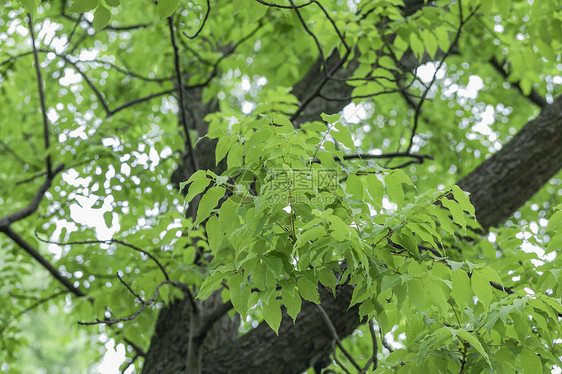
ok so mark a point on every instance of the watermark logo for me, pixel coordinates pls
(284, 186)
(292, 186)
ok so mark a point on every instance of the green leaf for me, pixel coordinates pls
(108, 218)
(343, 135)
(481, 287)
(461, 288)
(282, 121)
(112, 3)
(416, 293)
(222, 148)
(430, 42)
(354, 187)
(390, 281)
(272, 314)
(239, 294)
(101, 17)
(30, 5)
(394, 188)
(435, 293)
(376, 190)
(463, 200)
(82, 6)
(196, 187)
(473, 341)
(530, 362)
(213, 233)
(310, 235)
(167, 7)
(442, 38)
(340, 231)
(208, 202)
(210, 285)
(327, 278)
(504, 6)
(235, 154)
(416, 45)
(332, 118)
(292, 302)
(456, 211)
(308, 290)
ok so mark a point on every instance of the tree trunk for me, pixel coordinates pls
(510, 177)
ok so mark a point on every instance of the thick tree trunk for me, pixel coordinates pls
(510, 177)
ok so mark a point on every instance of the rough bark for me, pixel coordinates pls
(510, 177)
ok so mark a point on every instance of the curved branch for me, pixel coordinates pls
(285, 6)
(37, 256)
(202, 24)
(139, 311)
(180, 90)
(30, 308)
(6, 221)
(41, 95)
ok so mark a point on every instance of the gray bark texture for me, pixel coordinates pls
(511, 176)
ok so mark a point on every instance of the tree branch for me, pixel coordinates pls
(37, 256)
(41, 95)
(533, 96)
(180, 91)
(32, 207)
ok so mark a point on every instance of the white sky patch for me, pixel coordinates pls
(246, 83)
(47, 32)
(483, 127)
(354, 113)
(247, 107)
(82, 213)
(86, 55)
(425, 72)
(475, 84)
(70, 77)
(113, 358)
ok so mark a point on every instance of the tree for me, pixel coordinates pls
(240, 186)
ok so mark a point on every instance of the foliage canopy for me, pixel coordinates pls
(175, 150)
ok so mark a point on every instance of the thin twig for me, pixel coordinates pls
(384, 342)
(316, 41)
(373, 360)
(37, 256)
(30, 308)
(285, 6)
(33, 205)
(125, 365)
(462, 22)
(130, 289)
(109, 241)
(76, 24)
(140, 310)
(208, 323)
(41, 96)
(336, 337)
(180, 90)
(202, 24)
(13, 153)
(386, 155)
(533, 95)
(138, 101)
